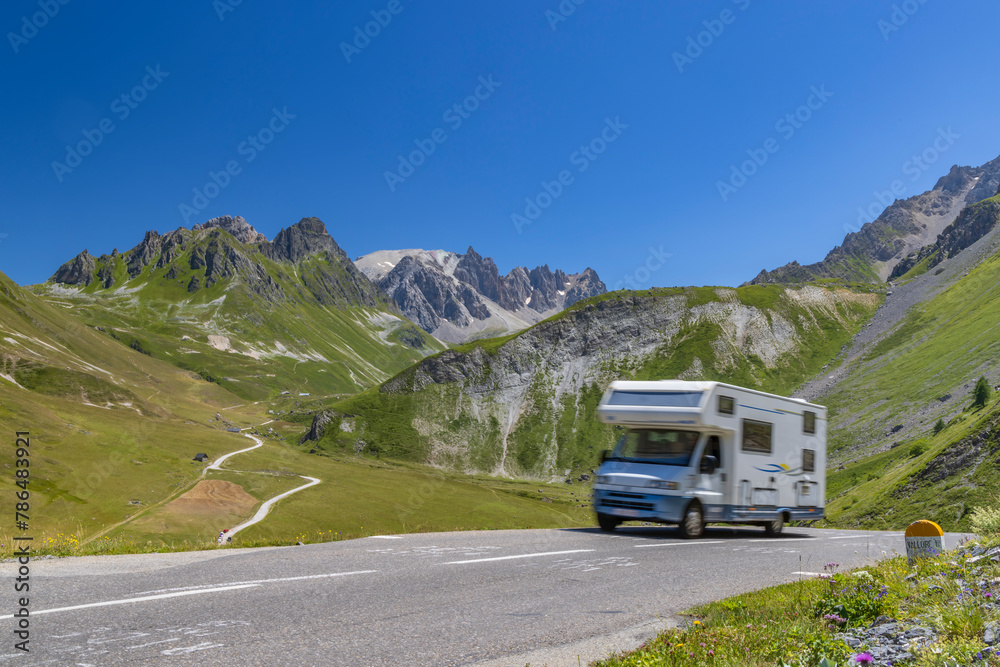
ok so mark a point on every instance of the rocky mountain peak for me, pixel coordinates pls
(77, 271)
(481, 274)
(241, 230)
(457, 297)
(956, 179)
(306, 237)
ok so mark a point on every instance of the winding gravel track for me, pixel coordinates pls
(268, 504)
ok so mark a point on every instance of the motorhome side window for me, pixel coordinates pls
(808, 422)
(808, 460)
(756, 436)
(727, 405)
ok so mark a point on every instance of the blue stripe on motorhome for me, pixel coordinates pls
(777, 412)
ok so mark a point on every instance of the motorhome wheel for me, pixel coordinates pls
(693, 524)
(608, 523)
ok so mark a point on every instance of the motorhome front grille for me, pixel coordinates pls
(627, 504)
(620, 494)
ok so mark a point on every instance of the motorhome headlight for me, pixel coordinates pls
(661, 484)
(604, 479)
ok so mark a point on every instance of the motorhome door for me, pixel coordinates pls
(712, 486)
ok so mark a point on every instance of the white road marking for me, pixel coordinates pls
(196, 590)
(384, 537)
(779, 540)
(546, 553)
(258, 582)
(846, 537)
(184, 650)
(140, 599)
(162, 641)
(676, 544)
(810, 574)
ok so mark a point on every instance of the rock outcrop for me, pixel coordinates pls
(306, 237)
(972, 224)
(78, 271)
(239, 228)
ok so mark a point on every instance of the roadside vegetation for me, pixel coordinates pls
(942, 612)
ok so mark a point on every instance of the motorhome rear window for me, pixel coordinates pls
(656, 399)
(756, 436)
(665, 446)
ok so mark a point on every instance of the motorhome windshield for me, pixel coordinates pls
(665, 446)
(656, 399)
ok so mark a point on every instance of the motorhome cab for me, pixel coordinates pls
(706, 452)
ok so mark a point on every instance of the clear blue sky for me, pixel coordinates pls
(655, 186)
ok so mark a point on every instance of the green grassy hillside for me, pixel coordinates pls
(109, 426)
(921, 371)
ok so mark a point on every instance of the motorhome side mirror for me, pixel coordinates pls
(605, 455)
(709, 464)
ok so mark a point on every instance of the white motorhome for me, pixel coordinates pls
(700, 452)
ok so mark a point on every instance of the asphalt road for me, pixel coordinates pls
(492, 598)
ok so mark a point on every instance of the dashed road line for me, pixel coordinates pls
(140, 599)
(677, 544)
(537, 555)
(195, 590)
(779, 540)
(258, 582)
